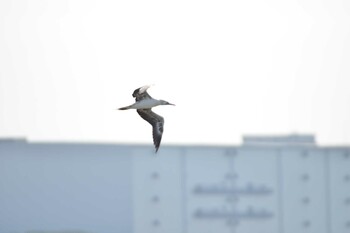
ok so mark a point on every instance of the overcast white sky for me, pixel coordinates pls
(231, 67)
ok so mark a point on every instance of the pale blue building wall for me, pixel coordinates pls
(266, 185)
(53, 187)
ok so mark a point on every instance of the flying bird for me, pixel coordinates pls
(143, 105)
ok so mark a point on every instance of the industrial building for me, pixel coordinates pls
(268, 184)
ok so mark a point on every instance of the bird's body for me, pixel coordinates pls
(144, 103)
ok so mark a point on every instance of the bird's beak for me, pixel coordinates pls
(171, 104)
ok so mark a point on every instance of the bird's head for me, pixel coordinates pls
(163, 102)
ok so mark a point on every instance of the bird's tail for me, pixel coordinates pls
(124, 108)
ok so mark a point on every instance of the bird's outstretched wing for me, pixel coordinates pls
(141, 93)
(157, 123)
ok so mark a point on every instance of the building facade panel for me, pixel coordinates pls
(257, 180)
(52, 187)
(303, 190)
(157, 193)
(206, 174)
(339, 190)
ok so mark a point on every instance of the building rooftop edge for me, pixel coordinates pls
(251, 141)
